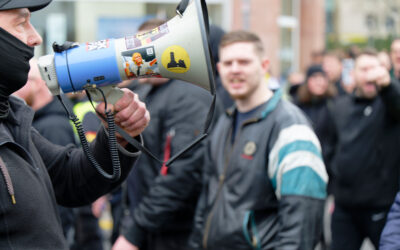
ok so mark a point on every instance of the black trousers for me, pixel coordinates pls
(350, 226)
(175, 240)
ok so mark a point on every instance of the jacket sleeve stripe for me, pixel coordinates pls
(287, 136)
(295, 164)
(303, 181)
(299, 159)
(298, 146)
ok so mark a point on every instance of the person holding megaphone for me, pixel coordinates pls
(35, 174)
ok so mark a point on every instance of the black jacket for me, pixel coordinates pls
(42, 174)
(164, 205)
(365, 162)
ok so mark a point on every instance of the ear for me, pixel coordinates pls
(219, 67)
(265, 64)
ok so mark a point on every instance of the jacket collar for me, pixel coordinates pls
(269, 106)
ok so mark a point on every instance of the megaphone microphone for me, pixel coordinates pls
(178, 49)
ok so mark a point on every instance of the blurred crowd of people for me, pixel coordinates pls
(352, 100)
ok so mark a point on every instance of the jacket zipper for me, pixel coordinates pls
(208, 223)
(222, 179)
(221, 182)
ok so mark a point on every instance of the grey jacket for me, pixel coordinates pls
(265, 190)
(39, 174)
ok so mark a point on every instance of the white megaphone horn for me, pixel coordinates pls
(178, 49)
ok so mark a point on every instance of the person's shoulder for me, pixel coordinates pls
(291, 124)
(288, 113)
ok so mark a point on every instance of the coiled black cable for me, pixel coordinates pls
(112, 143)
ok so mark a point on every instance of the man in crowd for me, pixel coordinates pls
(264, 181)
(36, 174)
(365, 158)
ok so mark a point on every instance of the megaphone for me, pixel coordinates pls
(177, 49)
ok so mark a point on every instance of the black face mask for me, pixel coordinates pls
(14, 66)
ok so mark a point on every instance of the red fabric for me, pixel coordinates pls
(167, 155)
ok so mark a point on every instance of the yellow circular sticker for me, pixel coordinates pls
(176, 59)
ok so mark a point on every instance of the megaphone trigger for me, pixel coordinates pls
(110, 94)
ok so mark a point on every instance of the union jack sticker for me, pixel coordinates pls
(102, 44)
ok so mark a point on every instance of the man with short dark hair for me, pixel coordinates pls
(264, 179)
(35, 174)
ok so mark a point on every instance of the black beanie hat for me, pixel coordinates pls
(314, 69)
(32, 5)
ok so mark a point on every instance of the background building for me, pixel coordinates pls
(364, 22)
(290, 29)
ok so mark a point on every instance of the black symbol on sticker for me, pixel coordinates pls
(174, 64)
